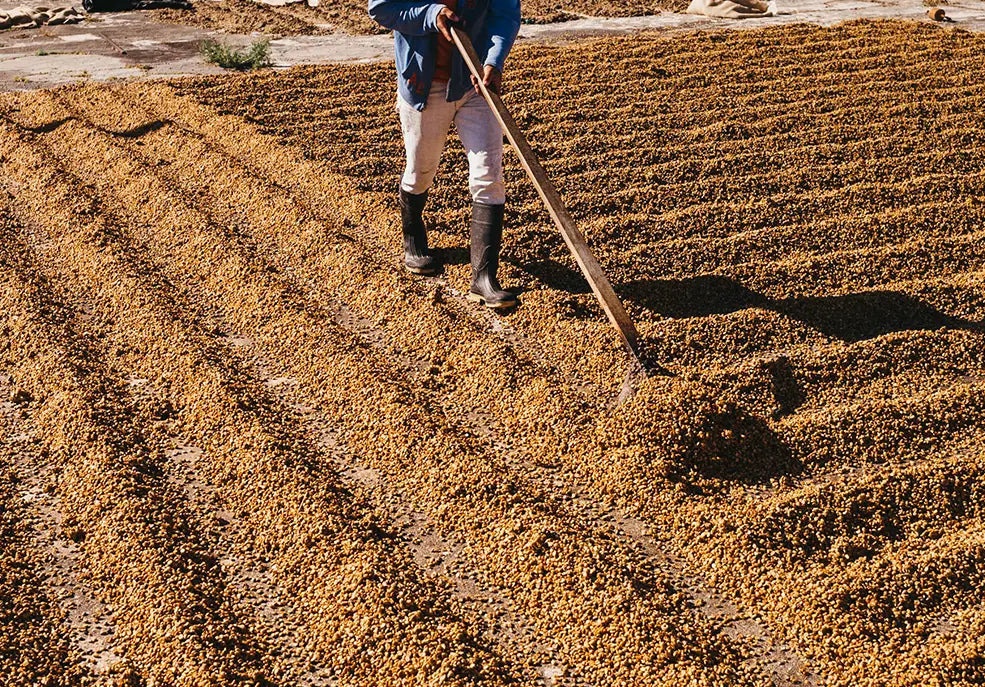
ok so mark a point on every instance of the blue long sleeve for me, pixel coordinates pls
(410, 18)
(502, 27)
(492, 25)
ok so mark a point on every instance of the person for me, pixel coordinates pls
(435, 89)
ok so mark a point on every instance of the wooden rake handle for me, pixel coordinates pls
(590, 267)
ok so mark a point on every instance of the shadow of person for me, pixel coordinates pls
(692, 297)
(850, 317)
(865, 315)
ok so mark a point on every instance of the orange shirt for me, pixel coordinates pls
(442, 63)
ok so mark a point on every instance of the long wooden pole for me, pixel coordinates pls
(573, 237)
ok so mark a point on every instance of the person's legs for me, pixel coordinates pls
(424, 139)
(483, 140)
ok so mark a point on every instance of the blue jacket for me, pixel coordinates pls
(491, 24)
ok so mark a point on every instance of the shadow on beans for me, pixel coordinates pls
(849, 317)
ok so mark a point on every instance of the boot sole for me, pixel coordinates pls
(423, 271)
(493, 306)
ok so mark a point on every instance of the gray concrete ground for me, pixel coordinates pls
(132, 45)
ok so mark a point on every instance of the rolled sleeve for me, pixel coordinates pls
(498, 50)
(503, 27)
(431, 18)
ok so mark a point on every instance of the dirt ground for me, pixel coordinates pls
(242, 446)
(246, 16)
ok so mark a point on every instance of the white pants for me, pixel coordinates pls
(424, 139)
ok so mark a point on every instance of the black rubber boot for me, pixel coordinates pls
(487, 237)
(418, 258)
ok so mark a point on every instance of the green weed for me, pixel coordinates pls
(226, 56)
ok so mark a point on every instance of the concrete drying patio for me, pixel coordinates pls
(133, 45)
